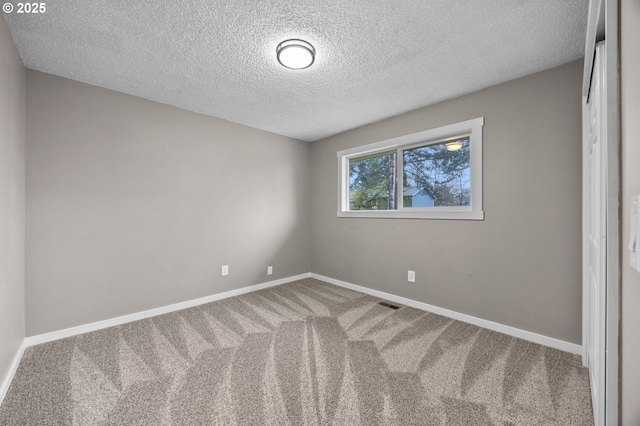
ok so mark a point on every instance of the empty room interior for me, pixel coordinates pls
(296, 212)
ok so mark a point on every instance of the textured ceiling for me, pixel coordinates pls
(375, 59)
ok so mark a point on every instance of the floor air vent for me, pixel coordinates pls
(388, 305)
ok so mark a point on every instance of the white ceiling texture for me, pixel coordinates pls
(375, 58)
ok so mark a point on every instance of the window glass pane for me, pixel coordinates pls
(437, 175)
(373, 182)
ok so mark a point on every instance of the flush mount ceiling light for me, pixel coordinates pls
(295, 54)
(453, 146)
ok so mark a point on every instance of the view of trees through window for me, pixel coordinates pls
(433, 175)
(373, 182)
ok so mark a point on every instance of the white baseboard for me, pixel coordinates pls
(511, 331)
(4, 387)
(73, 331)
(98, 325)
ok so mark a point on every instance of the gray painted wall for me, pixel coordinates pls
(630, 118)
(133, 205)
(12, 127)
(521, 266)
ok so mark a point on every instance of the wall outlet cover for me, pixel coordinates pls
(411, 276)
(225, 270)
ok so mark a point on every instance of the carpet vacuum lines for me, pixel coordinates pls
(305, 352)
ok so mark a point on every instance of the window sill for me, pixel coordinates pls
(442, 214)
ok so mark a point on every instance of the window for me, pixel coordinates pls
(435, 174)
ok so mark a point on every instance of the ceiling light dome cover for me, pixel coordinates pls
(296, 54)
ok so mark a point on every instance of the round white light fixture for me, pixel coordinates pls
(296, 54)
(453, 146)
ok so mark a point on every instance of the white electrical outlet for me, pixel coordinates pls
(269, 270)
(225, 270)
(411, 276)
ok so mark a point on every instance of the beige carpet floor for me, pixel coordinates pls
(302, 353)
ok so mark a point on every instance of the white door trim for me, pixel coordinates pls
(603, 25)
(595, 234)
(612, 114)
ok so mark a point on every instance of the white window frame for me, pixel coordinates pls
(470, 128)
